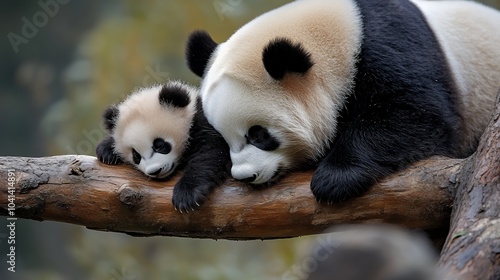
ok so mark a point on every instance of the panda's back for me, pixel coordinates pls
(469, 35)
(421, 56)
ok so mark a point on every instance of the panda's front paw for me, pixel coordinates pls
(331, 184)
(188, 196)
(105, 152)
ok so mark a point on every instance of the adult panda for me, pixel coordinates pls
(363, 87)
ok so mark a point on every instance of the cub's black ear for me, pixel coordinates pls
(174, 95)
(199, 48)
(110, 116)
(281, 56)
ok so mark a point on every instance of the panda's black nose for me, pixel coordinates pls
(249, 179)
(154, 173)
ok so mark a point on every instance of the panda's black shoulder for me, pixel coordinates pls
(403, 84)
(205, 142)
(401, 60)
(200, 123)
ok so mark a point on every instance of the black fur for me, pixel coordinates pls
(281, 56)
(207, 164)
(402, 108)
(105, 152)
(109, 116)
(174, 95)
(199, 48)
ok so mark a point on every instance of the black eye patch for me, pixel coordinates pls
(261, 138)
(136, 157)
(161, 146)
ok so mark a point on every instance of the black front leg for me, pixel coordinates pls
(207, 165)
(337, 179)
(105, 152)
(361, 154)
(196, 184)
(366, 151)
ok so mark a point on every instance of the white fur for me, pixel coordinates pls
(469, 34)
(237, 92)
(142, 119)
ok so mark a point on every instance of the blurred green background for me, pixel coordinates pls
(61, 63)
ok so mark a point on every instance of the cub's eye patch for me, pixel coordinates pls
(161, 146)
(261, 138)
(136, 156)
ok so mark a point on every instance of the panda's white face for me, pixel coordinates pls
(151, 135)
(275, 87)
(258, 146)
(267, 133)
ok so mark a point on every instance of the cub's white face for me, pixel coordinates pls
(151, 135)
(141, 152)
(280, 113)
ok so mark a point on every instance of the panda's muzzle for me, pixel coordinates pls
(155, 173)
(162, 172)
(249, 179)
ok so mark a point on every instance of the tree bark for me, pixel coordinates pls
(472, 249)
(80, 190)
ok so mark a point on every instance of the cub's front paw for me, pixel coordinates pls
(188, 196)
(330, 184)
(105, 152)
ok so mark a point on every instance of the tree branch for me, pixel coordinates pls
(80, 190)
(472, 249)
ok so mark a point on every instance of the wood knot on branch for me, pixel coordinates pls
(75, 169)
(130, 195)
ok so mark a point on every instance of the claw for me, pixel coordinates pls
(197, 204)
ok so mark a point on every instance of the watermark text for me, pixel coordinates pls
(11, 221)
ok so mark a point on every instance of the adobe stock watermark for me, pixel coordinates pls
(325, 246)
(223, 7)
(11, 221)
(94, 136)
(31, 27)
(369, 251)
(123, 274)
(155, 76)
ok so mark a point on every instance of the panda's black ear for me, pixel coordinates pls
(174, 95)
(110, 116)
(281, 56)
(199, 48)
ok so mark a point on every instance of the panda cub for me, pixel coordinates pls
(159, 128)
(363, 88)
